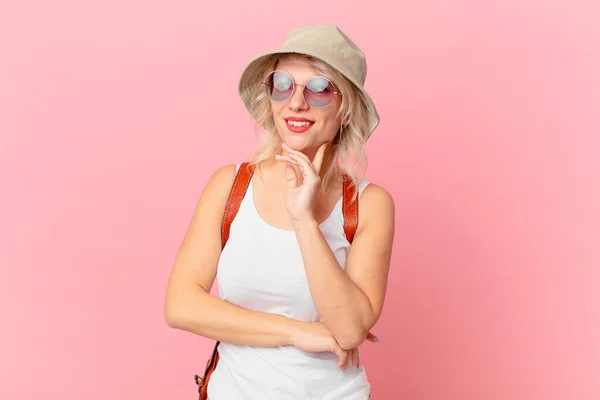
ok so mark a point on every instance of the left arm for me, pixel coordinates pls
(350, 302)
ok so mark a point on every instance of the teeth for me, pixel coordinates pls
(298, 123)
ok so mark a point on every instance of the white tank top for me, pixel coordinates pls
(261, 269)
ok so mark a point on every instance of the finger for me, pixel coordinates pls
(286, 159)
(344, 360)
(297, 153)
(300, 154)
(290, 176)
(289, 150)
(355, 357)
(305, 166)
(293, 163)
(318, 161)
(372, 338)
(342, 356)
(350, 358)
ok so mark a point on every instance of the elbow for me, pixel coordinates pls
(181, 307)
(353, 335)
(172, 319)
(351, 339)
(172, 314)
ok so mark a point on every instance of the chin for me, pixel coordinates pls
(302, 141)
(298, 142)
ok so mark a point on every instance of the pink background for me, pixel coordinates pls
(114, 114)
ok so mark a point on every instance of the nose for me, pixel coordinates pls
(297, 101)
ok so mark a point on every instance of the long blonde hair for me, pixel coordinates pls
(349, 155)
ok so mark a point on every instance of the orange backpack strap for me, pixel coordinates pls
(236, 195)
(349, 209)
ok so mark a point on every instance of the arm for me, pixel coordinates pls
(189, 306)
(351, 302)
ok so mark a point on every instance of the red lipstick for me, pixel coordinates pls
(300, 125)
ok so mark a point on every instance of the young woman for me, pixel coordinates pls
(298, 291)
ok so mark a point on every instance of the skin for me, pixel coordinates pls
(289, 196)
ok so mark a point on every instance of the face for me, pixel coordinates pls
(302, 126)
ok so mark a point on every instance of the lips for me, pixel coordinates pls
(298, 125)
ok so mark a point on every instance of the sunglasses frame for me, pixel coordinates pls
(295, 86)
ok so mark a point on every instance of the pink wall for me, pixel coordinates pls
(114, 114)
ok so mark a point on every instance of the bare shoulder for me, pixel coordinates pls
(211, 204)
(220, 181)
(377, 195)
(376, 206)
(196, 260)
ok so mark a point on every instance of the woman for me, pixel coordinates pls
(295, 299)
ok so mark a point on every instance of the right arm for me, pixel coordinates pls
(189, 306)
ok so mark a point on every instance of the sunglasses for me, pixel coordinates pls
(318, 90)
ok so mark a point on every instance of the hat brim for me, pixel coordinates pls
(255, 71)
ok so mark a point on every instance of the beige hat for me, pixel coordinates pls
(325, 42)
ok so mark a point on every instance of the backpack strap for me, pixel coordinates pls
(236, 195)
(349, 209)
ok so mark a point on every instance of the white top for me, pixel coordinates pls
(261, 269)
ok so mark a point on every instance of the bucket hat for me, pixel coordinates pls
(325, 42)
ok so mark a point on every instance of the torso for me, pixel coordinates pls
(261, 269)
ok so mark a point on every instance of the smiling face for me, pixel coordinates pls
(300, 125)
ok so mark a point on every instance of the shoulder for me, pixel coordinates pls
(374, 195)
(375, 206)
(219, 183)
(222, 178)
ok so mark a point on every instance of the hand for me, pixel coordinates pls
(353, 357)
(316, 337)
(353, 353)
(301, 197)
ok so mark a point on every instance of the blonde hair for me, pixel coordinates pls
(349, 155)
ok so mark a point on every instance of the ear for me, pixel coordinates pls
(345, 122)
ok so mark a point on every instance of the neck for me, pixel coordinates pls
(311, 153)
(273, 167)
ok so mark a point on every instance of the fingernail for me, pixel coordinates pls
(375, 339)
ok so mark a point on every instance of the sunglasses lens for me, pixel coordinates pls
(319, 91)
(279, 85)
